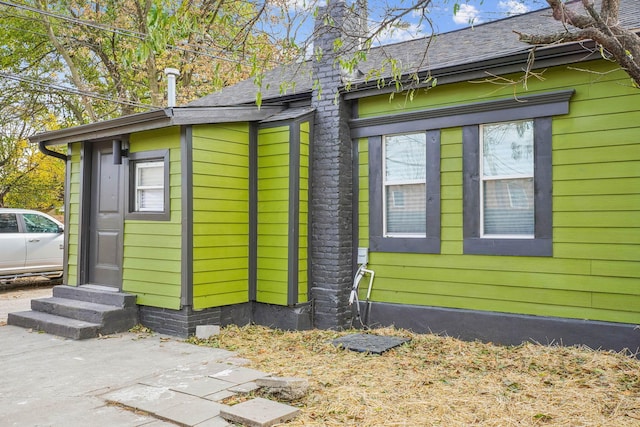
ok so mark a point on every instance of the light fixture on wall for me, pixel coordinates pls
(118, 151)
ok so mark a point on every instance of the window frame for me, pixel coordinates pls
(540, 244)
(428, 243)
(545, 104)
(147, 157)
(138, 188)
(485, 178)
(386, 184)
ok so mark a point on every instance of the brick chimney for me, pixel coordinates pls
(332, 170)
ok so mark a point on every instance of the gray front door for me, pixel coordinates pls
(106, 219)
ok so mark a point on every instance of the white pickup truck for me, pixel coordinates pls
(31, 244)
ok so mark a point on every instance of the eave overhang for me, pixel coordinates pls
(514, 61)
(508, 63)
(156, 119)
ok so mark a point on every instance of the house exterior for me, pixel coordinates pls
(500, 212)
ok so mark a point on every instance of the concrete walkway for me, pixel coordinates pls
(124, 380)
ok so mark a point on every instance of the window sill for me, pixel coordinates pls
(508, 247)
(423, 245)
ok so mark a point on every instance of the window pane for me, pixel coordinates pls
(507, 149)
(151, 200)
(39, 224)
(8, 223)
(406, 209)
(150, 186)
(151, 174)
(405, 157)
(508, 207)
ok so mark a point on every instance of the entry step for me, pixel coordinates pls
(55, 325)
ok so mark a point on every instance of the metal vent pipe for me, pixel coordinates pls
(171, 74)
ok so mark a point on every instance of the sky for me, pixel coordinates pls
(440, 12)
(471, 12)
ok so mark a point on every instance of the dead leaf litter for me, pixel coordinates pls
(442, 381)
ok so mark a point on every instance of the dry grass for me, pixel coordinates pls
(435, 380)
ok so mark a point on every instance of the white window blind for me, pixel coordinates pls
(507, 175)
(404, 184)
(150, 186)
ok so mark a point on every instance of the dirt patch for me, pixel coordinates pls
(435, 380)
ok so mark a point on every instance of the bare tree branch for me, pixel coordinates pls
(602, 27)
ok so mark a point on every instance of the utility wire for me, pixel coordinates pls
(73, 91)
(119, 31)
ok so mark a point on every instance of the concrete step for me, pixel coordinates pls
(55, 325)
(95, 294)
(111, 318)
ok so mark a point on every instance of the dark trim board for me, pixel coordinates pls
(186, 209)
(294, 213)
(541, 244)
(526, 107)
(253, 212)
(505, 328)
(430, 243)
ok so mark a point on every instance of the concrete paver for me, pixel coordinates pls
(52, 381)
(239, 374)
(219, 396)
(244, 388)
(259, 412)
(214, 422)
(197, 385)
(193, 412)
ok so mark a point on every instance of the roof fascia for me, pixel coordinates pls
(512, 63)
(153, 120)
(105, 129)
(203, 115)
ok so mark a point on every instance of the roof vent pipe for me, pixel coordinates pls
(171, 74)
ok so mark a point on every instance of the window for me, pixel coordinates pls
(35, 223)
(507, 188)
(8, 223)
(524, 196)
(149, 185)
(506, 174)
(404, 187)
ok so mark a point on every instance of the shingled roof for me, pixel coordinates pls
(482, 46)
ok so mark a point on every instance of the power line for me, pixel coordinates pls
(73, 91)
(120, 31)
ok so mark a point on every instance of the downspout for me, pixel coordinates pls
(42, 145)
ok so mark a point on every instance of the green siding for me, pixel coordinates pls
(594, 272)
(273, 215)
(220, 214)
(152, 249)
(73, 224)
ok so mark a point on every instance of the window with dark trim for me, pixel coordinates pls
(470, 117)
(148, 186)
(404, 192)
(507, 188)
